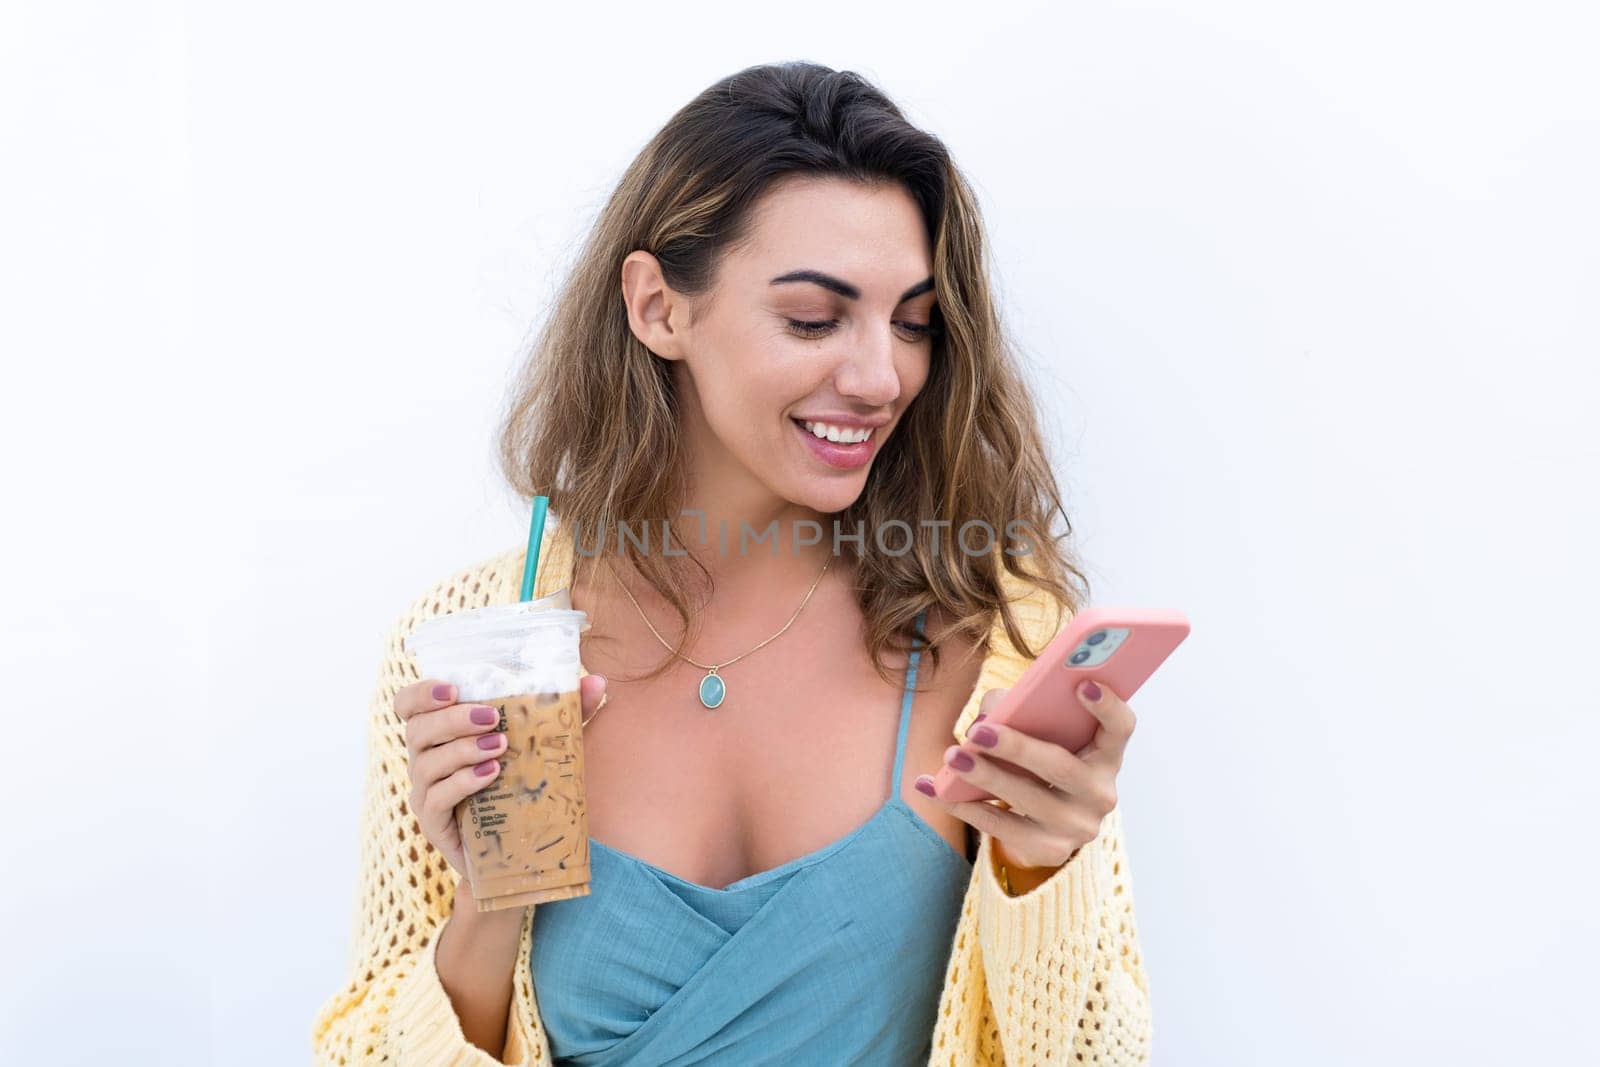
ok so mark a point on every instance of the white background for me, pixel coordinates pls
(1308, 291)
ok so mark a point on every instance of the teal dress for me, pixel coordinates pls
(837, 957)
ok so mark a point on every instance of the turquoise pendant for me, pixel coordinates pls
(712, 690)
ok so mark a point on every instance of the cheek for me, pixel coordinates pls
(747, 387)
(914, 371)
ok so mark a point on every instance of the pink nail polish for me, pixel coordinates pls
(925, 786)
(1091, 690)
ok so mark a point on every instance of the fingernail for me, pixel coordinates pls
(485, 768)
(924, 786)
(961, 761)
(1091, 690)
(443, 692)
(485, 715)
(983, 735)
(981, 716)
(488, 741)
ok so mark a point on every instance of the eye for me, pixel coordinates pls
(919, 331)
(806, 328)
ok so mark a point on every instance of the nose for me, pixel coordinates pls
(868, 373)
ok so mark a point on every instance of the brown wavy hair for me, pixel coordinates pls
(593, 420)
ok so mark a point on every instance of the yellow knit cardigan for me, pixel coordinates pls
(1052, 975)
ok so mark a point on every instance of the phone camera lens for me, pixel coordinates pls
(1078, 657)
(1096, 637)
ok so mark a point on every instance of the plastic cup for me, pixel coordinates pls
(526, 834)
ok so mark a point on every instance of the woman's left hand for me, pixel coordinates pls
(1044, 827)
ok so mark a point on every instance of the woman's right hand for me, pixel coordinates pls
(451, 754)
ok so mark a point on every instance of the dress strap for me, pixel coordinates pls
(905, 711)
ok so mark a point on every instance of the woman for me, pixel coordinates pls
(778, 359)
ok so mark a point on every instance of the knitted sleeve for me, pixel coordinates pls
(1053, 975)
(393, 1009)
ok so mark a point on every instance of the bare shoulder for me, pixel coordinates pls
(950, 682)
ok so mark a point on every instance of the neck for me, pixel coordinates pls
(743, 533)
(757, 542)
(761, 581)
(754, 544)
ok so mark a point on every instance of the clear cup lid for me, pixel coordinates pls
(496, 621)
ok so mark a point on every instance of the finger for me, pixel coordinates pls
(1117, 721)
(439, 803)
(463, 720)
(1027, 843)
(426, 695)
(591, 690)
(431, 728)
(986, 706)
(1052, 763)
(434, 765)
(1021, 792)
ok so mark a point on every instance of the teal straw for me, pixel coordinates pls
(530, 565)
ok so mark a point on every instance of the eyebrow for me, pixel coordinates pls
(844, 288)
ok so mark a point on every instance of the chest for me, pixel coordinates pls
(799, 754)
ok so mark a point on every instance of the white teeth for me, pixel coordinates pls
(839, 434)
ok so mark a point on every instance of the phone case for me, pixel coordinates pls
(1117, 647)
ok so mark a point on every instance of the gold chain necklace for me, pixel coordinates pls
(713, 688)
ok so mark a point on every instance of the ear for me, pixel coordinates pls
(657, 315)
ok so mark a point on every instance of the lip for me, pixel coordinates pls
(836, 455)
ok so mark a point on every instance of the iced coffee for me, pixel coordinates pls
(526, 834)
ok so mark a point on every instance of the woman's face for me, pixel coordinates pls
(797, 366)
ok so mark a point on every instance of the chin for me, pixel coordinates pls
(830, 496)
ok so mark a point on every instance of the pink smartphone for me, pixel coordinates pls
(1120, 647)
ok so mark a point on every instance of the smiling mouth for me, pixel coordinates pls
(839, 435)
